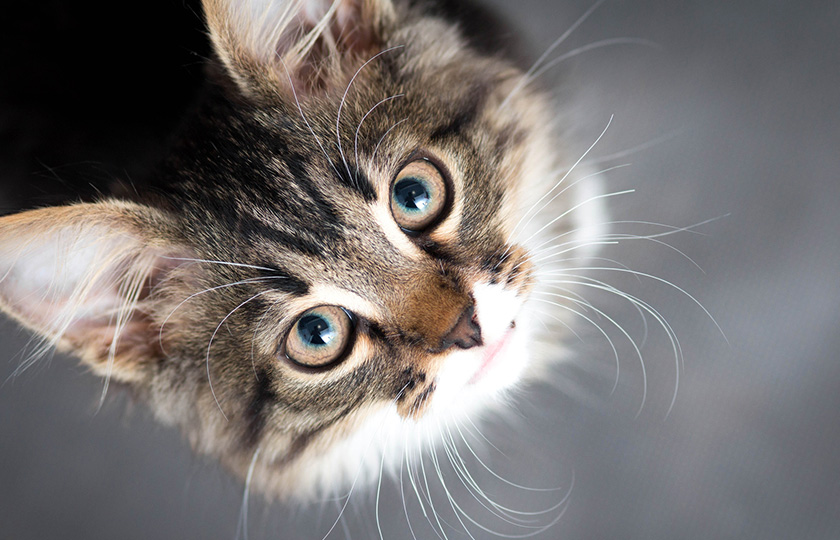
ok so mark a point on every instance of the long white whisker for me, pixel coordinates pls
(671, 228)
(210, 344)
(641, 304)
(599, 328)
(431, 502)
(570, 186)
(217, 287)
(450, 499)
(362, 121)
(603, 333)
(635, 149)
(405, 461)
(487, 468)
(418, 488)
(461, 512)
(527, 77)
(595, 45)
(617, 236)
(382, 138)
(660, 280)
(563, 178)
(379, 484)
(474, 489)
(577, 206)
(242, 526)
(344, 98)
(587, 303)
(305, 121)
(224, 263)
(359, 470)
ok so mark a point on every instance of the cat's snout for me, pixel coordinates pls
(466, 333)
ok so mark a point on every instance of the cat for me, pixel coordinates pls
(342, 251)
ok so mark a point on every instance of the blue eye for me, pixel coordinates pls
(411, 194)
(418, 196)
(319, 337)
(315, 331)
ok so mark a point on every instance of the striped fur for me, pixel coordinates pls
(275, 200)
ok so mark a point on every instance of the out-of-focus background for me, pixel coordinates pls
(721, 109)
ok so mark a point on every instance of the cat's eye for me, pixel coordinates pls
(418, 196)
(320, 337)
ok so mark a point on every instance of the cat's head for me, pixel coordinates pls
(334, 259)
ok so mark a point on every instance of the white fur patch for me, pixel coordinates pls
(384, 439)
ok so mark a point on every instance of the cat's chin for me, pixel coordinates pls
(469, 378)
(471, 382)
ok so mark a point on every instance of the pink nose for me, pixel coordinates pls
(465, 334)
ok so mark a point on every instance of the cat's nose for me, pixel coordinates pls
(465, 334)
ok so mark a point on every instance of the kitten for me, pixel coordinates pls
(337, 255)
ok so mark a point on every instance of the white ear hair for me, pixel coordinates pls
(266, 45)
(75, 275)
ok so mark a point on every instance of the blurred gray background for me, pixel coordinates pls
(732, 114)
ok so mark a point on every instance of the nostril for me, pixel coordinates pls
(466, 333)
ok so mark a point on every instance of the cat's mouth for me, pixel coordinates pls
(491, 353)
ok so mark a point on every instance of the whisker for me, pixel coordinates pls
(459, 511)
(527, 77)
(486, 467)
(671, 230)
(562, 191)
(303, 116)
(429, 499)
(456, 509)
(601, 330)
(666, 282)
(362, 121)
(210, 344)
(379, 484)
(224, 263)
(405, 462)
(586, 303)
(417, 487)
(641, 304)
(359, 469)
(462, 472)
(577, 206)
(585, 48)
(344, 98)
(242, 525)
(382, 138)
(563, 178)
(217, 287)
(636, 149)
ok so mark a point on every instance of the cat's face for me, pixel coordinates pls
(333, 255)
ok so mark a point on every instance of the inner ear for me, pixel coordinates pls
(82, 278)
(300, 46)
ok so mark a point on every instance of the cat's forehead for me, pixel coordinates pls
(303, 184)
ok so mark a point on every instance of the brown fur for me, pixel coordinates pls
(276, 200)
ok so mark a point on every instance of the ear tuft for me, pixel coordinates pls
(300, 46)
(78, 276)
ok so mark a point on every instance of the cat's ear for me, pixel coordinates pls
(79, 276)
(305, 46)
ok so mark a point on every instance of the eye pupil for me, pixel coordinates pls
(411, 194)
(320, 338)
(314, 330)
(418, 196)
